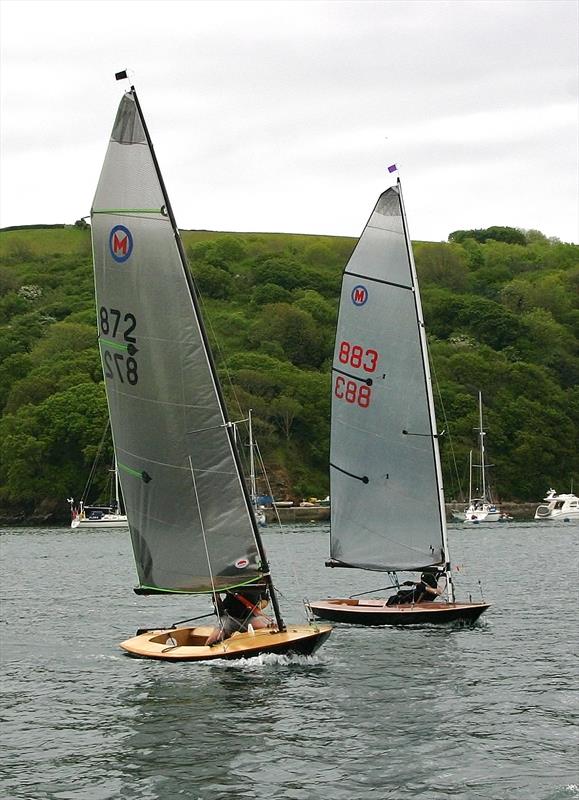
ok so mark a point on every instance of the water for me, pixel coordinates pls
(485, 712)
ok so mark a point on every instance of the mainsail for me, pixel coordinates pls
(387, 507)
(186, 504)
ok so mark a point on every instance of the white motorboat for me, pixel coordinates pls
(558, 506)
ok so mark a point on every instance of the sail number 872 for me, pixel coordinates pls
(115, 325)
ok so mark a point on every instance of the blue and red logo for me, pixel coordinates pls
(359, 295)
(120, 243)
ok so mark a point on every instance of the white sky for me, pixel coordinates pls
(284, 116)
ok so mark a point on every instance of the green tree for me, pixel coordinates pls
(212, 281)
(440, 264)
(295, 330)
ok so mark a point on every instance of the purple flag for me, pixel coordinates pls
(392, 168)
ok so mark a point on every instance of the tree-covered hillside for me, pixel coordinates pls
(502, 314)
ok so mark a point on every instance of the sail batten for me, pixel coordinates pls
(385, 478)
(188, 515)
(378, 280)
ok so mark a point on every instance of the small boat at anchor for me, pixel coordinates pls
(189, 509)
(95, 517)
(387, 508)
(558, 507)
(480, 508)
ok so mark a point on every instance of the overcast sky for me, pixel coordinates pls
(284, 116)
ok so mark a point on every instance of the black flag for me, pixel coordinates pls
(120, 75)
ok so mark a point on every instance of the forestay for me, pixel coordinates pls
(188, 517)
(386, 507)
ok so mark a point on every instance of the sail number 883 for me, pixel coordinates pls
(356, 356)
(352, 392)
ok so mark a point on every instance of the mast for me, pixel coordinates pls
(482, 448)
(195, 300)
(428, 382)
(117, 488)
(252, 464)
(470, 477)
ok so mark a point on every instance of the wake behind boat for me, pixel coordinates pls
(190, 513)
(387, 510)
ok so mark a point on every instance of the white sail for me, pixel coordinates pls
(386, 488)
(173, 447)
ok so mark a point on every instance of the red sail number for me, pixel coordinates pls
(357, 357)
(352, 392)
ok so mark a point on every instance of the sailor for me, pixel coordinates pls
(426, 590)
(237, 611)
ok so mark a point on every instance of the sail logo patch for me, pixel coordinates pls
(359, 295)
(120, 243)
(242, 563)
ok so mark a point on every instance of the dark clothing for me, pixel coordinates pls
(418, 594)
(235, 607)
(422, 595)
(238, 608)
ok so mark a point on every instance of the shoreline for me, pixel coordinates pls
(12, 518)
(519, 512)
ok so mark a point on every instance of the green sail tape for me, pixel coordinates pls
(202, 591)
(114, 345)
(135, 473)
(128, 211)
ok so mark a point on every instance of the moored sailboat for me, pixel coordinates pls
(387, 510)
(481, 507)
(95, 517)
(258, 512)
(189, 509)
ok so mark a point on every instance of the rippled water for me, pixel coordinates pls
(483, 712)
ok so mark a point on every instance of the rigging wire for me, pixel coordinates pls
(227, 374)
(95, 462)
(289, 560)
(445, 418)
(213, 589)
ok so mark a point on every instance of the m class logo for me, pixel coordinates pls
(359, 295)
(120, 243)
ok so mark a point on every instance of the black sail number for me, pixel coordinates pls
(133, 324)
(119, 366)
(110, 319)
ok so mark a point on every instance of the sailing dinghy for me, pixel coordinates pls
(387, 510)
(174, 445)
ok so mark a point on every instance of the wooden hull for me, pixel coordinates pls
(188, 644)
(376, 612)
